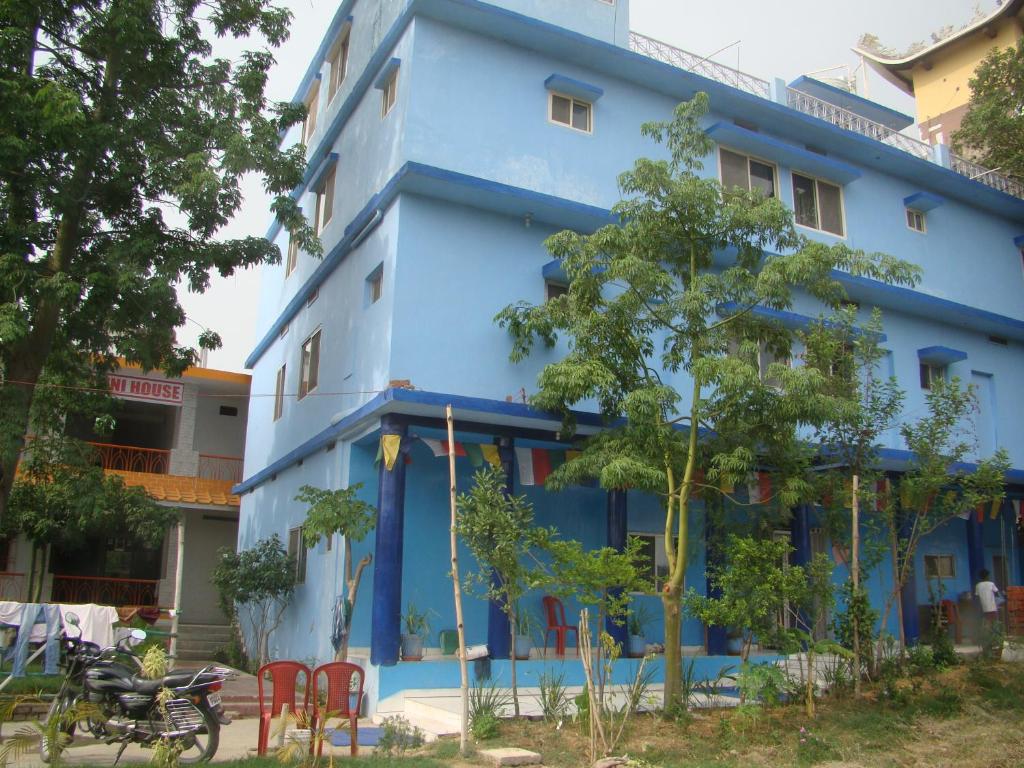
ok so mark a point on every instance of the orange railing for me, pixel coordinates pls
(214, 467)
(103, 590)
(12, 586)
(131, 459)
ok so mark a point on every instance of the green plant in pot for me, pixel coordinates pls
(527, 629)
(637, 620)
(417, 628)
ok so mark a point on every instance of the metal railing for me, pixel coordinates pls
(811, 105)
(214, 467)
(12, 586)
(131, 459)
(850, 121)
(103, 590)
(691, 62)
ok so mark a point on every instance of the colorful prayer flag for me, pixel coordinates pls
(475, 454)
(435, 447)
(997, 504)
(524, 458)
(491, 455)
(390, 445)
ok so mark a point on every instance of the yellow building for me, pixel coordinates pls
(938, 76)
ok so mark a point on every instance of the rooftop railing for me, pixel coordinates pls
(701, 65)
(823, 110)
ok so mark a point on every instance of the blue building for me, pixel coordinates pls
(446, 140)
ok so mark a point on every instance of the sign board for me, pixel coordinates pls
(146, 390)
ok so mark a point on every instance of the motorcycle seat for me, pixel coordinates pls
(175, 679)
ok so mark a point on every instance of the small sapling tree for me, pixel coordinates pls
(340, 512)
(257, 582)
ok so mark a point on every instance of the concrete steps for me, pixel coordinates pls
(200, 642)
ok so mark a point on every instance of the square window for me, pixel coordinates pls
(279, 394)
(375, 285)
(915, 220)
(297, 550)
(746, 173)
(338, 61)
(309, 365)
(818, 204)
(655, 567)
(940, 566)
(553, 290)
(572, 113)
(312, 105)
(389, 94)
(325, 202)
(931, 373)
(313, 297)
(293, 256)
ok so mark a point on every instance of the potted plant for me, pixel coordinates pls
(527, 629)
(636, 623)
(417, 627)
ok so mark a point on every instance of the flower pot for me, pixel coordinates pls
(637, 645)
(523, 646)
(412, 647)
(300, 736)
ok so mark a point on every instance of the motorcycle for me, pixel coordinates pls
(104, 694)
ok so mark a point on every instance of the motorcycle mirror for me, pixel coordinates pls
(71, 618)
(138, 635)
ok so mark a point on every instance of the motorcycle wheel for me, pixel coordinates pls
(58, 707)
(202, 746)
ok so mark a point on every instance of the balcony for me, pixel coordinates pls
(815, 107)
(127, 458)
(214, 467)
(104, 590)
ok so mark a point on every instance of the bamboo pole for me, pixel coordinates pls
(855, 574)
(457, 589)
(179, 577)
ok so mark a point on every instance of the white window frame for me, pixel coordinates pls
(933, 372)
(573, 101)
(325, 201)
(817, 203)
(659, 568)
(279, 392)
(936, 558)
(313, 297)
(763, 361)
(915, 216)
(389, 93)
(375, 285)
(338, 62)
(297, 549)
(750, 158)
(292, 259)
(553, 289)
(312, 105)
(309, 364)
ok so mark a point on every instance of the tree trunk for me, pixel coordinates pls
(670, 601)
(855, 575)
(512, 656)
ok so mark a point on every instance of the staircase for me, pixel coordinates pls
(199, 642)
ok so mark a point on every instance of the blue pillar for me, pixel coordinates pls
(618, 527)
(911, 625)
(717, 637)
(800, 535)
(498, 641)
(385, 631)
(975, 547)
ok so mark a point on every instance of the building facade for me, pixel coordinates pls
(938, 76)
(182, 441)
(446, 140)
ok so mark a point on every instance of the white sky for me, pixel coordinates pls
(777, 39)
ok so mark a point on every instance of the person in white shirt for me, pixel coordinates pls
(986, 592)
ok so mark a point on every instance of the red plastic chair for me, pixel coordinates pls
(554, 611)
(338, 702)
(284, 679)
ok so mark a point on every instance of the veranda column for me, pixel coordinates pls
(618, 526)
(498, 641)
(717, 637)
(800, 535)
(385, 631)
(975, 546)
(911, 624)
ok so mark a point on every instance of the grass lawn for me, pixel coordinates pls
(968, 717)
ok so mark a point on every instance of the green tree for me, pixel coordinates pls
(992, 131)
(122, 148)
(655, 305)
(259, 580)
(340, 512)
(499, 530)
